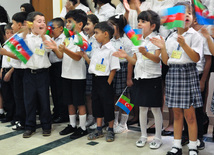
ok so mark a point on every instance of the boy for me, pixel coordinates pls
(60, 111)
(36, 77)
(103, 65)
(73, 74)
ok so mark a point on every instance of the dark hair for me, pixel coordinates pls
(77, 15)
(8, 27)
(129, 1)
(58, 21)
(20, 17)
(84, 2)
(31, 16)
(28, 7)
(93, 18)
(120, 23)
(4, 18)
(151, 17)
(106, 27)
(103, 2)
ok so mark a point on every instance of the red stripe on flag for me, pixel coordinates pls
(19, 48)
(172, 18)
(125, 103)
(198, 10)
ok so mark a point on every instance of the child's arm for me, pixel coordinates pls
(154, 57)
(3, 51)
(8, 75)
(52, 45)
(127, 8)
(137, 6)
(73, 55)
(85, 56)
(1, 73)
(129, 81)
(122, 54)
(111, 76)
(209, 40)
(189, 51)
(161, 44)
(208, 61)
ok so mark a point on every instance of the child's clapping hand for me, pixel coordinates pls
(62, 47)
(120, 54)
(158, 42)
(205, 33)
(50, 44)
(142, 50)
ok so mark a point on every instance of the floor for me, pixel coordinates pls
(12, 143)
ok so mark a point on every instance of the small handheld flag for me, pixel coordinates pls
(124, 103)
(83, 44)
(174, 16)
(132, 35)
(202, 14)
(18, 46)
(50, 28)
(68, 33)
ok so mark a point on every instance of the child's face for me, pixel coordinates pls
(89, 28)
(8, 33)
(145, 26)
(39, 25)
(73, 25)
(99, 35)
(189, 18)
(56, 30)
(16, 26)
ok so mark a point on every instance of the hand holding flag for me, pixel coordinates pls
(82, 43)
(132, 35)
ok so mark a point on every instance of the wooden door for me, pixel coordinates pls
(45, 7)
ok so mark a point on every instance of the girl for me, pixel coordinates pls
(89, 30)
(181, 53)
(119, 41)
(148, 89)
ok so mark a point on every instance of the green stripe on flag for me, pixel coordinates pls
(13, 49)
(176, 23)
(199, 5)
(127, 100)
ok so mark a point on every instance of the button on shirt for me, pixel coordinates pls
(144, 67)
(105, 12)
(103, 55)
(52, 57)
(192, 38)
(37, 61)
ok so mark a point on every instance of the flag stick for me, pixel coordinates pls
(121, 94)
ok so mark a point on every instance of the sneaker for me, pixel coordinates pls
(115, 125)
(78, 133)
(89, 122)
(175, 151)
(110, 136)
(193, 151)
(46, 133)
(120, 128)
(69, 129)
(28, 133)
(94, 126)
(95, 135)
(184, 140)
(155, 144)
(141, 141)
(200, 144)
(18, 126)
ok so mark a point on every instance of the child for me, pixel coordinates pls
(182, 82)
(7, 81)
(60, 110)
(74, 75)
(119, 41)
(203, 67)
(103, 65)
(36, 78)
(89, 30)
(148, 88)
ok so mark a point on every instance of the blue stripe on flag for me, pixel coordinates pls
(122, 106)
(23, 44)
(203, 20)
(174, 10)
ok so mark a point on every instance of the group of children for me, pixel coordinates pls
(98, 77)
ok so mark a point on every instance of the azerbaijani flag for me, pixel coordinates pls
(202, 14)
(124, 103)
(175, 16)
(18, 46)
(68, 33)
(82, 43)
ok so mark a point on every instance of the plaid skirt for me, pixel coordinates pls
(212, 105)
(119, 81)
(88, 89)
(183, 87)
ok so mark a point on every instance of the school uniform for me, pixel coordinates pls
(101, 64)
(74, 76)
(7, 89)
(105, 12)
(148, 86)
(60, 109)
(36, 84)
(182, 81)
(120, 79)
